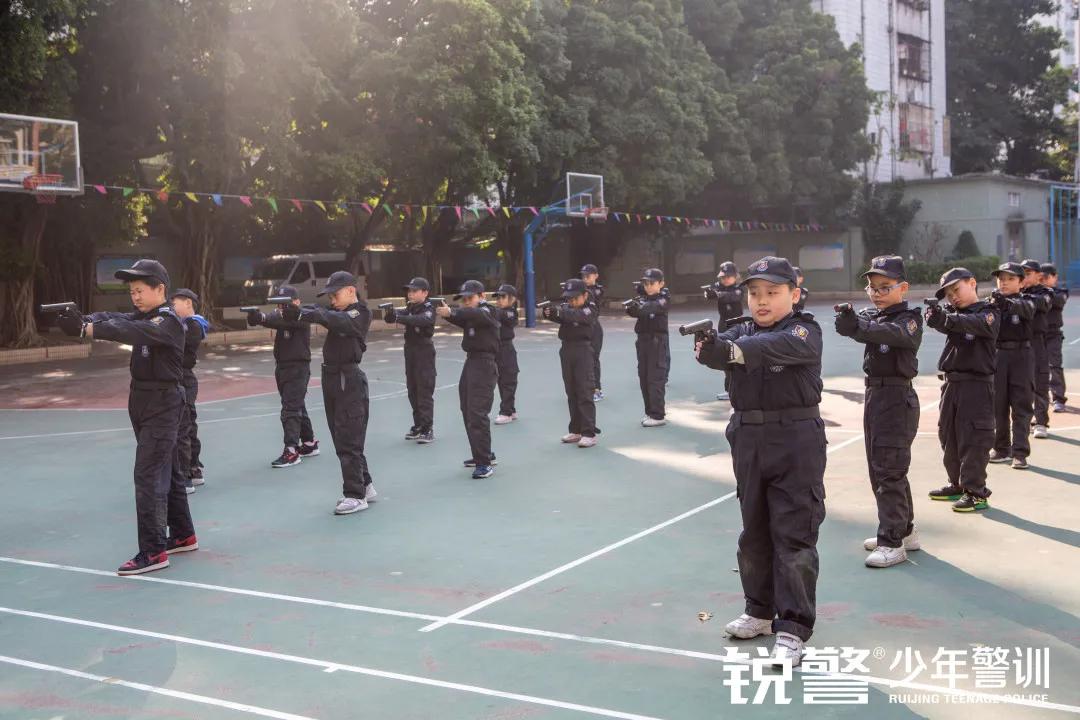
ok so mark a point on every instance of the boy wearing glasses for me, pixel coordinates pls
(892, 333)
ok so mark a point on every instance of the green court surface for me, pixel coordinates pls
(569, 585)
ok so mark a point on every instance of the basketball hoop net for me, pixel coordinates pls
(34, 183)
(596, 214)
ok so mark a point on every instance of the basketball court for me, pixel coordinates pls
(573, 583)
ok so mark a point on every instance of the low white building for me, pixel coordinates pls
(903, 44)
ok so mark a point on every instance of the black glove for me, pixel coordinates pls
(935, 317)
(290, 312)
(71, 323)
(549, 312)
(390, 315)
(255, 317)
(847, 322)
(999, 301)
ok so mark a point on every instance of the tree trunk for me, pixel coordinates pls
(19, 329)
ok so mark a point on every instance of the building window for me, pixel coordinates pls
(913, 55)
(916, 128)
(1014, 199)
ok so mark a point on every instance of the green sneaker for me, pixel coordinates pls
(949, 493)
(970, 503)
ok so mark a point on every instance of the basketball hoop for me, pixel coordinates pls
(35, 183)
(596, 214)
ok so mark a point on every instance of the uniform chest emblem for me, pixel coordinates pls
(286, 334)
(989, 318)
(157, 320)
(353, 313)
(912, 327)
(144, 351)
(1015, 319)
(800, 332)
(883, 348)
(968, 336)
(776, 368)
(472, 331)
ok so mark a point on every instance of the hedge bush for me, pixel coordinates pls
(922, 273)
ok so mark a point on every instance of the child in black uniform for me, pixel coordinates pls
(777, 440)
(1014, 367)
(506, 302)
(576, 318)
(591, 275)
(892, 333)
(651, 311)
(729, 303)
(418, 318)
(804, 294)
(185, 304)
(966, 417)
(292, 373)
(1055, 337)
(476, 388)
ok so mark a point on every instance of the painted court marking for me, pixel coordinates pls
(327, 666)
(191, 697)
(331, 667)
(396, 393)
(605, 550)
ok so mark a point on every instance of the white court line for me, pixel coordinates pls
(191, 697)
(316, 406)
(331, 667)
(328, 666)
(1075, 341)
(605, 550)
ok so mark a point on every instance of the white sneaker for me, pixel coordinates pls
(911, 542)
(369, 493)
(347, 506)
(884, 557)
(1059, 407)
(571, 438)
(505, 419)
(652, 422)
(787, 650)
(1040, 432)
(723, 397)
(586, 442)
(746, 627)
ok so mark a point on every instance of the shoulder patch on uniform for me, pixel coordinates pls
(989, 318)
(663, 301)
(912, 326)
(800, 332)
(157, 320)
(587, 311)
(353, 313)
(428, 314)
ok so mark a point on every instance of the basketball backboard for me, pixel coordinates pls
(39, 155)
(584, 194)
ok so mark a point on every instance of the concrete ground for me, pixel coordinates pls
(570, 584)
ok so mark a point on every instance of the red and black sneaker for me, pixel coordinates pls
(178, 545)
(309, 449)
(144, 563)
(288, 458)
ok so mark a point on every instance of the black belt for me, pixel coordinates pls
(879, 381)
(154, 384)
(760, 417)
(1010, 345)
(965, 377)
(294, 362)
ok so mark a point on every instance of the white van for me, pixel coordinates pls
(306, 272)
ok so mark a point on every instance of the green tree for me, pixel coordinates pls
(37, 40)
(883, 215)
(1004, 85)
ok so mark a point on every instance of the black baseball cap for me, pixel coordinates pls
(143, 270)
(185, 293)
(470, 287)
(797, 269)
(506, 290)
(1033, 265)
(287, 291)
(1048, 269)
(1012, 268)
(951, 278)
(337, 281)
(891, 266)
(418, 283)
(772, 269)
(590, 269)
(727, 269)
(573, 287)
(652, 275)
